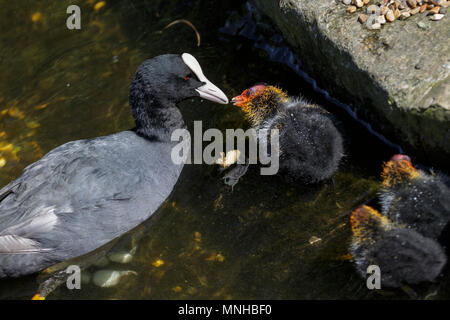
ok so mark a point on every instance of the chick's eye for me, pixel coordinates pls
(247, 93)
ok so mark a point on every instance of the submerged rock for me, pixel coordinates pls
(110, 278)
(122, 256)
(396, 77)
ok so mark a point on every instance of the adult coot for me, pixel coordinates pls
(85, 193)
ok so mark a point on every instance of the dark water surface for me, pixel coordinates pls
(205, 242)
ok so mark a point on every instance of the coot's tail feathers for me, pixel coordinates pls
(12, 244)
(21, 237)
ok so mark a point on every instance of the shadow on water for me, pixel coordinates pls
(266, 239)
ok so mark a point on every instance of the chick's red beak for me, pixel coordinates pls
(240, 100)
(248, 95)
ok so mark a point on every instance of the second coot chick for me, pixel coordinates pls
(403, 255)
(310, 145)
(415, 198)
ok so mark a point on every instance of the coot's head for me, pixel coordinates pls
(398, 170)
(159, 84)
(171, 78)
(403, 255)
(260, 102)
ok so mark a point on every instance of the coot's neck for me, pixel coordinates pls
(155, 118)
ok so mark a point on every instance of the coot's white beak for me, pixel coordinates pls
(208, 91)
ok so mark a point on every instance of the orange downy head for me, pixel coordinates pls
(398, 170)
(259, 101)
(245, 99)
(366, 222)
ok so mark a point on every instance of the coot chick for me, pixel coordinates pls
(403, 255)
(414, 197)
(85, 193)
(310, 146)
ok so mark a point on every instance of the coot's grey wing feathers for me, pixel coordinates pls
(48, 182)
(83, 194)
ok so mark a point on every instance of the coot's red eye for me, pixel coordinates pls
(187, 78)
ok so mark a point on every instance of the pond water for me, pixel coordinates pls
(205, 242)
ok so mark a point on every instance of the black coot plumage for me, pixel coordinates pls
(85, 193)
(310, 146)
(414, 197)
(403, 255)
